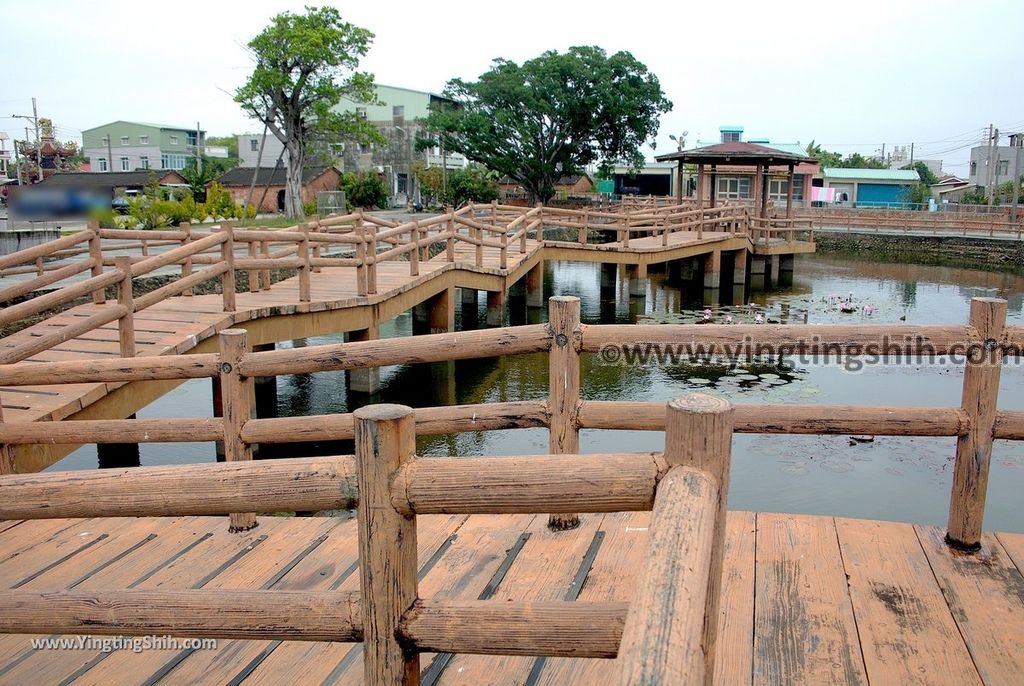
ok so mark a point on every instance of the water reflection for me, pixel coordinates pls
(903, 479)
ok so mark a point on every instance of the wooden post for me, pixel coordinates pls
(479, 236)
(317, 247)
(265, 273)
(6, 450)
(564, 387)
(361, 269)
(414, 256)
(96, 255)
(503, 252)
(371, 257)
(186, 266)
(385, 439)
(451, 228)
(237, 394)
(789, 195)
(253, 275)
(584, 225)
(679, 184)
(304, 285)
(659, 643)
(126, 324)
(227, 279)
(974, 449)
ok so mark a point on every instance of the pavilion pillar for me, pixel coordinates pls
(700, 186)
(789, 194)
(764, 192)
(755, 191)
(679, 183)
(714, 185)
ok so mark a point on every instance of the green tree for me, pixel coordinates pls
(474, 183)
(824, 157)
(927, 176)
(212, 168)
(553, 115)
(229, 142)
(304, 65)
(431, 181)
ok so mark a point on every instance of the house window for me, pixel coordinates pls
(191, 138)
(254, 145)
(364, 148)
(398, 111)
(144, 162)
(144, 140)
(124, 140)
(125, 164)
(102, 164)
(174, 140)
(105, 140)
(1003, 167)
(734, 187)
(361, 112)
(171, 161)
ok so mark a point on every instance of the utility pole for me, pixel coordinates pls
(199, 158)
(993, 165)
(1015, 141)
(39, 140)
(911, 153)
(110, 154)
(883, 153)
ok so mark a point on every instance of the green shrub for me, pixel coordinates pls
(474, 183)
(309, 208)
(364, 190)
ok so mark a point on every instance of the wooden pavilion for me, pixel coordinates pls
(737, 154)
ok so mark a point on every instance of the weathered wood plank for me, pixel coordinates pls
(804, 629)
(985, 593)
(906, 631)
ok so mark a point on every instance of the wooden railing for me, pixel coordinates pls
(356, 240)
(915, 222)
(664, 635)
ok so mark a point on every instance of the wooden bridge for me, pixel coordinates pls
(353, 273)
(450, 573)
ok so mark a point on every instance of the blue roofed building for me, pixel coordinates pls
(870, 187)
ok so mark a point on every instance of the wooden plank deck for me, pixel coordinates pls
(805, 599)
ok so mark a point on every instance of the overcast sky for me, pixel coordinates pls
(849, 75)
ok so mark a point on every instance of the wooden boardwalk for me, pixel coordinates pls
(183, 324)
(805, 599)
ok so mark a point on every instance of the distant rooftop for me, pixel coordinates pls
(144, 123)
(871, 174)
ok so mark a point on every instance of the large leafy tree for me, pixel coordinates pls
(305, 63)
(553, 115)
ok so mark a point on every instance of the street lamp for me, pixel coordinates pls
(680, 141)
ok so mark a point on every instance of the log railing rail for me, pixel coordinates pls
(664, 635)
(914, 222)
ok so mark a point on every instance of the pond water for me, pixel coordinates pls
(892, 478)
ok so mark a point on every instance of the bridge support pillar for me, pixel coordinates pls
(713, 269)
(115, 455)
(470, 308)
(636, 275)
(773, 269)
(367, 379)
(688, 269)
(786, 269)
(758, 271)
(739, 269)
(495, 308)
(435, 314)
(535, 286)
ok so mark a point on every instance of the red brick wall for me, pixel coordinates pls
(328, 181)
